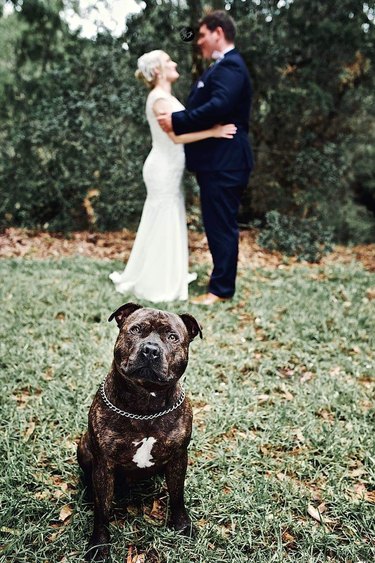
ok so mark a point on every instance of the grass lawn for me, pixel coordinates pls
(282, 456)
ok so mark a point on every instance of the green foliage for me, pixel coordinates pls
(280, 385)
(312, 65)
(10, 30)
(76, 133)
(307, 239)
(77, 136)
(73, 120)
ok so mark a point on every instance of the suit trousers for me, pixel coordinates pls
(221, 192)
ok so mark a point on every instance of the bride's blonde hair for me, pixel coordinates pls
(147, 65)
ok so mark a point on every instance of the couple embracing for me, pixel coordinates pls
(211, 135)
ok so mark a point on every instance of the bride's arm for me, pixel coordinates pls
(219, 131)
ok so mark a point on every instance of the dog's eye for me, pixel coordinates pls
(173, 337)
(135, 329)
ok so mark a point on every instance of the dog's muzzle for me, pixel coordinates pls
(148, 363)
(150, 352)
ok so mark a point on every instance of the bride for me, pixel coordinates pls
(157, 269)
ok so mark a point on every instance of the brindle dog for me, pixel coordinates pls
(150, 356)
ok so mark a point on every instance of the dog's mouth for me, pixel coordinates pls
(145, 372)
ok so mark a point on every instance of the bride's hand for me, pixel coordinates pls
(225, 131)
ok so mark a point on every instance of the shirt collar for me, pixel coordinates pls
(218, 55)
(229, 48)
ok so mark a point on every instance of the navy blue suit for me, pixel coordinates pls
(222, 166)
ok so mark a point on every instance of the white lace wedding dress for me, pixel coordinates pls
(157, 269)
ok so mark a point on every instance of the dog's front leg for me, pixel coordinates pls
(103, 486)
(175, 472)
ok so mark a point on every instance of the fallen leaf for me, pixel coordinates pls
(58, 482)
(297, 451)
(367, 381)
(359, 490)
(357, 472)
(200, 411)
(298, 434)
(287, 373)
(211, 545)
(225, 533)
(24, 395)
(48, 375)
(306, 376)
(29, 431)
(65, 512)
(22, 399)
(361, 493)
(233, 433)
(156, 515)
(288, 395)
(287, 538)
(72, 556)
(262, 398)
(41, 495)
(60, 316)
(158, 510)
(326, 415)
(370, 496)
(53, 537)
(316, 513)
(132, 510)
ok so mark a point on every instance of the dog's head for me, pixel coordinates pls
(153, 345)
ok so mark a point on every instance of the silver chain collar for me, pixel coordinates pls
(138, 416)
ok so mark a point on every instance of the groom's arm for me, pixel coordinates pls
(226, 85)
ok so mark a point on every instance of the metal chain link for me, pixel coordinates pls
(139, 416)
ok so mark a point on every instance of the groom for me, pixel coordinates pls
(222, 166)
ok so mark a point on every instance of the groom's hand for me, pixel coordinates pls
(165, 122)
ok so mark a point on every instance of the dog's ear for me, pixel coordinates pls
(123, 313)
(192, 325)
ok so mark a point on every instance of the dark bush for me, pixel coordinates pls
(73, 134)
(307, 239)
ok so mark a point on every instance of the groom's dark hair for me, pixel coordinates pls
(220, 18)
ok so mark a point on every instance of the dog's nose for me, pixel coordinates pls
(151, 351)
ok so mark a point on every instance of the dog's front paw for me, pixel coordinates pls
(184, 526)
(98, 552)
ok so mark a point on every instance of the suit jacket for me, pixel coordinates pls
(221, 95)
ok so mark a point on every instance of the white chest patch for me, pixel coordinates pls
(143, 457)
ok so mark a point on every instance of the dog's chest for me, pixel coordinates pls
(143, 446)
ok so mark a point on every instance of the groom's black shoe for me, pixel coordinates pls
(208, 299)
